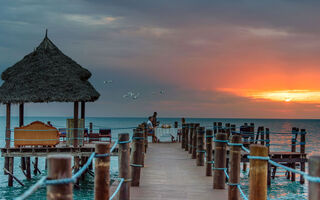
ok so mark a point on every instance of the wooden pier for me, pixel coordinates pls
(170, 173)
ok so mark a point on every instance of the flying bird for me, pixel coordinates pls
(107, 82)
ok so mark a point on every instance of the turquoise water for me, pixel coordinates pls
(281, 188)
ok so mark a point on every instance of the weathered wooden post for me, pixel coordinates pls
(124, 165)
(251, 130)
(200, 146)
(215, 128)
(228, 130)
(10, 169)
(35, 166)
(233, 128)
(262, 135)
(268, 146)
(209, 136)
(136, 156)
(194, 141)
(314, 170)
(90, 127)
(102, 172)
(234, 175)
(186, 137)
(183, 136)
(220, 153)
(220, 127)
(59, 167)
(146, 143)
(191, 128)
(302, 151)
(293, 149)
(258, 173)
(175, 124)
(28, 168)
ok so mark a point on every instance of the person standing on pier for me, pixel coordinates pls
(151, 128)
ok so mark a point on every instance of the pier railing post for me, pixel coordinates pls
(293, 149)
(220, 152)
(209, 136)
(183, 136)
(136, 156)
(234, 175)
(146, 143)
(228, 130)
(102, 172)
(302, 151)
(200, 146)
(314, 170)
(59, 167)
(268, 146)
(194, 141)
(258, 173)
(215, 129)
(186, 137)
(124, 165)
(191, 128)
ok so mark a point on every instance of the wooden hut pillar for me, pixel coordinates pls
(7, 135)
(21, 123)
(82, 116)
(8, 132)
(75, 123)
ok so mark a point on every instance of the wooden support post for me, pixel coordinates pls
(220, 127)
(235, 158)
(228, 130)
(209, 136)
(251, 130)
(258, 173)
(215, 128)
(314, 170)
(90, 127)
(28, 168)
(21, 122)
(10, 169)
(59, 167)
(83, 111)
(136, 156)
(194, 142)
(7, 133)
(262, 135)
(8, 120)
(186, 137)
(183, 137)
(175, 124)
(302, 151)
(102, 172)
(76, 166)
(220, 154)
(191, 127)
(75, 124)
(35, 166)
(145, 134)
(293, 149)
(233, 128)
(200, 146)
(268, 146)
(124, 165)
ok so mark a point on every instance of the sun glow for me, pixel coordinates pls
(303, 96)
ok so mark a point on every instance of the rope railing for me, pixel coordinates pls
(43, 181)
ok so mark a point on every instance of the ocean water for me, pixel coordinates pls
(281, 187)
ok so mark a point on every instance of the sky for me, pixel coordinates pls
(191, 58)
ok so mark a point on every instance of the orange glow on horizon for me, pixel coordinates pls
(300, 96)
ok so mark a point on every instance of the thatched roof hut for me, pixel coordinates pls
(46, 75)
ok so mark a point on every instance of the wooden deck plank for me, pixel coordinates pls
(170, 173)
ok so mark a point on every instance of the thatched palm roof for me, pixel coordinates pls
(46, 75)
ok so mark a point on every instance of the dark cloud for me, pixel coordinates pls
(189, 48)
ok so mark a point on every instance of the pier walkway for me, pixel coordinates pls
(170, 173)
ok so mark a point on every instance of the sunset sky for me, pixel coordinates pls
(237, 59)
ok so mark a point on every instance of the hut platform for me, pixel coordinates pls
(85, 151)
(169, 173)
